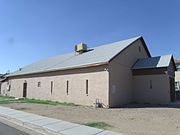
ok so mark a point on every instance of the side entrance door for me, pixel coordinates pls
(172, 89)
(25, 89)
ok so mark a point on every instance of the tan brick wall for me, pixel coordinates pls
(158, 93)
(121, 74)
(96, 76)
(4, 89)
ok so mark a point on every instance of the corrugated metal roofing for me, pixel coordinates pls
(153, 62)
(100, 54)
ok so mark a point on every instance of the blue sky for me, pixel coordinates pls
(34, 29)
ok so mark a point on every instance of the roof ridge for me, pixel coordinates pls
(114, 42)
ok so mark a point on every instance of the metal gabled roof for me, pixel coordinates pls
(153, 62)
(97, 55)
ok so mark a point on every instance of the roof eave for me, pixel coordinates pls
(62, 69)
(165, 67)
(146, 48)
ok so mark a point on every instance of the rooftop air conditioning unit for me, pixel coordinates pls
(81, 48)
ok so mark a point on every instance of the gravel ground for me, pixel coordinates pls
(132, 120)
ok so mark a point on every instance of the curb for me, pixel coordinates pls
(49, 126)
(29, 126)
(26, 129)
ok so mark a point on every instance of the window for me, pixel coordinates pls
(139, 49)
(51, 87)
(67, 87)
(150, 84)
(8, 85)
(177, 86)
(87, 87)
(39, 84)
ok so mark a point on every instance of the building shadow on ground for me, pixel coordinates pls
(175, 104)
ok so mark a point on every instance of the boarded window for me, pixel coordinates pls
(51, 87)
(39, 84)
(87, 87)
(67, 87)
(150, 86)
(139, 49)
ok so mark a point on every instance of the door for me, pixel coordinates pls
(172, 89)
(25, 89)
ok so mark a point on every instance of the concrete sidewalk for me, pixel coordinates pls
(49, 126)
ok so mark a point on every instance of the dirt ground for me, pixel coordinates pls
(129, 120)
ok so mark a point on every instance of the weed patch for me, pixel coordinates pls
(101, 125)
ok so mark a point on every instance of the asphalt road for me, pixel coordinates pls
(7, 130)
